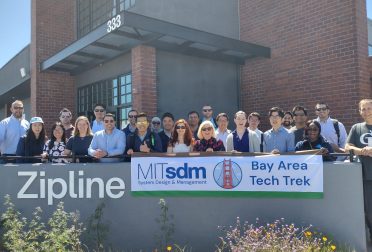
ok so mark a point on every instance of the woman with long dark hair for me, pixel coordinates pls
(57, 144)
(32, 143)
(181, 140)
(315, 141)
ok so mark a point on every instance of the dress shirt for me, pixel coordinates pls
(113, 144)
(222, 135)
(329, 133)
(11, 130)
(282, 139)
(97, 126)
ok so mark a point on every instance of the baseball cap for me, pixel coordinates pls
(36, 120)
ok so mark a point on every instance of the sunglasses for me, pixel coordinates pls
(156, 123)
(321, 109)
(99, 110)
(108, 121)
(132, 116)
(207, 129)
(207, 110)
(180, 127)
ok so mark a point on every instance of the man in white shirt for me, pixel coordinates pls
(222, 130)
(253, 121)
(332, 130)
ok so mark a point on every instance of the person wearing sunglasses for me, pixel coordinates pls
(332, 129)
(207, 139)
(315, 141)
(208, 115)
(12, 129)
(99, 113)
(156, 125)
(65, 117)
(181, 140)
(132, 118)
(109, 142)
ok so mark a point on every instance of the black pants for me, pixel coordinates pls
(367, 188)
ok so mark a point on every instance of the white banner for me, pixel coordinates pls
(279, 173)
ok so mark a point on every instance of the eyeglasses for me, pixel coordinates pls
(65, 116)
(180, 127)
(18, 107)
(207, 129)
(313, 129)
(132, 116)
(156, 123)
(141, 123)
(99, 110)
(321, 109)
(207, 110)
(108, 121)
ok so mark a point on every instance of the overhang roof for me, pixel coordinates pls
(100, 45)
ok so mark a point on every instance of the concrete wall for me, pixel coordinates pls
(133, 219)
(111, 69)
(10, 75)
(187, 83)
(215, 16)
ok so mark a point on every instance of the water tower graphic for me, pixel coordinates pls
(227, 174)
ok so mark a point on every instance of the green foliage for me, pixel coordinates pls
(61, 234)
(276, 237)
(165, 220)
(97, 229)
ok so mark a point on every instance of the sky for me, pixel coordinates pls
(15, 25)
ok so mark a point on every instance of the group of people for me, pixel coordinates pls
(290, 131)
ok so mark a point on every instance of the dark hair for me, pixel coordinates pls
(288, 113)
(53, 138)
(100, 105)
(109, 115)
(307, 125)
(276, 109)
(298, 108)
(256, 114)
(132, 110)
(188, 134)
(193, 112)
(142, 114)
(167, 114)
(222, 115)
(65, 110)
(30, 136)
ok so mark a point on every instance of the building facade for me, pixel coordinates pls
(176, 56)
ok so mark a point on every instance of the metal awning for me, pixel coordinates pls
(102, 45)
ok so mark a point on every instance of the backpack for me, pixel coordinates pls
(337, 129)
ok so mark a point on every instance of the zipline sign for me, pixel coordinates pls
(268, 175)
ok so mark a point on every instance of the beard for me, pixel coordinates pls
(286, 123)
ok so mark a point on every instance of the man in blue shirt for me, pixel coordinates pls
(278, 139)
(12, 128)
(99, 113)
(109, 142)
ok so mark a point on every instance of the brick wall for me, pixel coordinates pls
(319, 53)
(144, 80)
(52, 28)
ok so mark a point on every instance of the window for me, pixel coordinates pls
(115, 93)
(93, 13)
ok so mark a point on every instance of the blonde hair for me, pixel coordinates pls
(206, 123)
(76, 130)
(363, 101)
